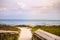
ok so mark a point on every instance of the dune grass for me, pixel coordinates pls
(54, 29)
(9, 36)
(8, 27)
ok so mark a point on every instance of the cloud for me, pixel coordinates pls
(11, 5)
(47, 4)
(21, 5)
(2, 9)
(37, 4)
(39, 9)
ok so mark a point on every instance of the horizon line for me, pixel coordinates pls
(26, 19)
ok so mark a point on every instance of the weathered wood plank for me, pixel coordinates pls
(45, 35)
(12, 32)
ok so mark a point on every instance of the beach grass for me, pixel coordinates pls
(8, 27)
(8, 35)
(54, 29)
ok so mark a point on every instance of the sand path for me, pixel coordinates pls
(25, 34)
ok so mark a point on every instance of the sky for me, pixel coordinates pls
(30, 9)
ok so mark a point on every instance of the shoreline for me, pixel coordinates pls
(32, 24)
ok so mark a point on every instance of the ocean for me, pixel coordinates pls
(30, 22)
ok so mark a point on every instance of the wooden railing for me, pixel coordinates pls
(42, 35)
(12, 32)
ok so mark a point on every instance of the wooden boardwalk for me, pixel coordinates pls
(12, 32)
(42, 35)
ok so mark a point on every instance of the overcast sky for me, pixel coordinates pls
(30, 9)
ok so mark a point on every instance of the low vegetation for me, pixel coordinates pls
(23, 26)
(54, 29)
(8, 27)
(9, 36)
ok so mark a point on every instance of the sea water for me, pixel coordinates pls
(30, 22)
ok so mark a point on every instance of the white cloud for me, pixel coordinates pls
(31, 8)
(2, 9)
(46, 4)
(21, 5)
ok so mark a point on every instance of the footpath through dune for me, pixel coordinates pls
(25, 34)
